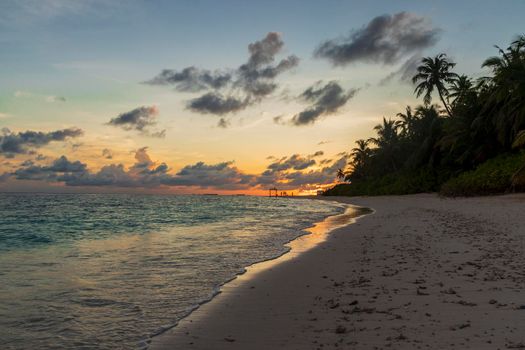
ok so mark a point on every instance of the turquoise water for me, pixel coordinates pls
(110, 271)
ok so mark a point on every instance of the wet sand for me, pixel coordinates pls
(421, 272)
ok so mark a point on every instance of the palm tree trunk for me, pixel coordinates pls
(444, 103)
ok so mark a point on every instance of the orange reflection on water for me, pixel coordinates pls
(315, 236)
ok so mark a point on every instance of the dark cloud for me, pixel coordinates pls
(325, 100)
(143, 160)
(144, 173)
(258, 67)
(295, 162)
(63, 165)
(106, 153)
(317, 154)
(222, 175)
(77, 145)
(264, 51)
(385, 39)
(140, 119)
(109, 175)
(25, 142)
(223, 123)
(215, 103)
(405, 73)
(158, 134)
(279, 120)
(296, 171)
(285, 176)
(191, 79)
(53, 172)
(239, 88)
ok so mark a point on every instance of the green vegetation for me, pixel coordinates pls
(471, 147)
(492, 177)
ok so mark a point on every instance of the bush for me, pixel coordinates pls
(496, 176)
(393, 184)
(492, 177)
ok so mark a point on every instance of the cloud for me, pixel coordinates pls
(31, 12)
(385, 39)
(191, 79)
(233, 90)
(158, 134)
(106, 153)
(75, 146)
(143, 159)
(256, 76)
(301, 172)
(222, 176)
(25, 142)
(143, 173)
(293, 172)
(52, 99)
(4, 115)
(405, 73)
(295, 162)
(215, 103)
(324, 142)
(47, 98)
(223, 123)
(325, 100)
(279, 120)
(20, 93)
(140, 119)
(53, 172)
(4, 177)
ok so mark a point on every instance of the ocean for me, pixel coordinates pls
(103, 271)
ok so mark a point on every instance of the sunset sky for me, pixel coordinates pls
(215, 96)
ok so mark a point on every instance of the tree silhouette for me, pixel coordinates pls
(434, 73)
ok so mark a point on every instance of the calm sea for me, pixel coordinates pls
(105, 271)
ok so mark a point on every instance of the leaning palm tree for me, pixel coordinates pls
(434, 73)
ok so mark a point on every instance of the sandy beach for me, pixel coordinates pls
(421, 272)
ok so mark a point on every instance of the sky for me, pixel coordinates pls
(216, 97)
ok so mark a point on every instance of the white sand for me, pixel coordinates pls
(420, 273)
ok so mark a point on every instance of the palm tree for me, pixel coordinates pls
(434, 73)
(360, 153)
(387, 141)
(406, 121)
(386, 132)
(340, 174)
(507, 101)
(460, 89)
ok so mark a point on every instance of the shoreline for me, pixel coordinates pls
(309, 238)
(422, 272)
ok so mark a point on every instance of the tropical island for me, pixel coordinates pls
(162, 165)
(471, 144)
